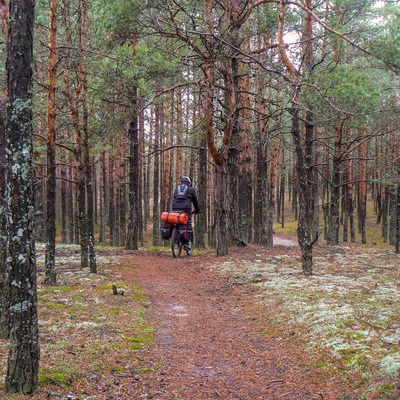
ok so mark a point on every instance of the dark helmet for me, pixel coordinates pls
(186, 179)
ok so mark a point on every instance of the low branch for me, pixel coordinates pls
(44, 138)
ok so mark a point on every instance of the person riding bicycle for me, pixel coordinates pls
(184, 196)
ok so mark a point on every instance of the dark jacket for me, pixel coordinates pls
(185, 204)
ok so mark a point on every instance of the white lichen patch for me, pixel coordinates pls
(350, 306)
(390, 366)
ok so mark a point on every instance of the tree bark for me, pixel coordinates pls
(24, 353)
(246, 157)
(156, 178)
(132, 240)
(362, 186)
(50, 252)
(333, 228)
(88, 217)
(303, 148)
(4, 287)
(261, 174)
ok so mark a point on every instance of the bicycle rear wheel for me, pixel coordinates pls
(176, 245)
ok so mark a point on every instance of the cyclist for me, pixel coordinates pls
(184, 196)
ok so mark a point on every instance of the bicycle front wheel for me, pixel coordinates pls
(176, 246)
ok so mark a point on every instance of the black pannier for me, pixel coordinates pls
(166, 230)
(185, 232)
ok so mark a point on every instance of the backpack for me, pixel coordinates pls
(181, 191)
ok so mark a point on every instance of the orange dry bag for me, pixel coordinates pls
(175, 217)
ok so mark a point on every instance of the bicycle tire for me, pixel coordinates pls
(190, 246)
(176, 246)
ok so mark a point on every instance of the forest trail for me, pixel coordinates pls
(212, 339)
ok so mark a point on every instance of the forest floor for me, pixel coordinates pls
(245, 326)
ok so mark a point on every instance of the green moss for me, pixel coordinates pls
(110, 286)
(140, 339)
(116, 368)
(136, 346)
(53, 306)
(52, 378)
(144, 370)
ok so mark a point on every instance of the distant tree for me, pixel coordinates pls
(23, 358)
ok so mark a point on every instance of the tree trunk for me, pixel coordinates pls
(103, 199)
(246, 166)
(179, 133)
(156, 179)
(134, 168)
(64, 200)
(87, 167)
(397, 244)
(201, 220)
(261, 173)
(303, 148)
(362, 188)
(304, 162)
(333, 228)
(4, 288)
(121, 214)
(111, 202)
(221, 211)
(23, 356)
(50, 253)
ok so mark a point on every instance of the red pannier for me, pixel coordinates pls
(175, 217)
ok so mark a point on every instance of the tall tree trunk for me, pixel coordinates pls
(201, 221)
(121, 194)
(221, 211)
(179, 134)
(333, 228)
(246, 175)
(73, 100)
(23, 356)
(134, 169)
(4, 287)
(142, 205)
(111, 202)
(64, 199)
(103, 202)
(397, 244)
(303, 147)
(87, 167)
(50, 257)
(156, 178)
(261, 170)
(362, 186)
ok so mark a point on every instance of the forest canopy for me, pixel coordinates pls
(246, 97)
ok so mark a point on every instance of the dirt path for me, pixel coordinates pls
(211, 341)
